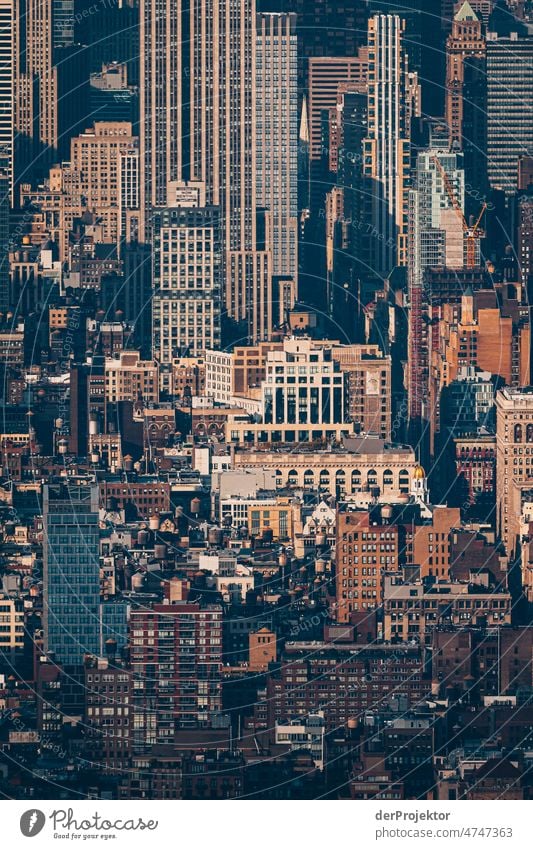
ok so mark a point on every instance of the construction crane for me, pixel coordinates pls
(472, 234)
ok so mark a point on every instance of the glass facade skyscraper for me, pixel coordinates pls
(71, 572)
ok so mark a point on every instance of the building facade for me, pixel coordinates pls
(176, 658)
(187, 282)
(514, 457)
(277, 140)
(509, 102)
(387, 148)
(71, 574)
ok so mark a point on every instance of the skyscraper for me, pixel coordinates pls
(7, 85)
(71, 573)
(514, 441)
(50, 104)
(198, 126)
(465, 41)
(187, 266)
(509, 108)
(387, 148)
(97, 155)
(324, 28)
(277, 139)
(435, 241)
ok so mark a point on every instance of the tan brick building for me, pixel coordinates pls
(128, 378)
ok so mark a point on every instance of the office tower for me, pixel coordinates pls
(324, 28)
(51, 87)
(277, 141)
(64, 22)
(8, 47)
(413, 13)
(130, 212)
(99, 155)
(509, 107)
(187, 278)
(71, 572)
(5, 266)
(436, 241)
(387, 148)
(198, 107)
(423, 43)
(351, 264)
(514, 447)
(176, 660)
(326, 75)
(111, 35)
(475, 132)
(317, 398)
(446, 12)
(465, 41)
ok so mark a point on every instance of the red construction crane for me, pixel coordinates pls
(472, 234)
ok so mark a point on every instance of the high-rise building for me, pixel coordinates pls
(413, 13)
(324, 28)
(514, 458)
(435, 241)
(105, 157)
(187, 281)
(71, 573)
(326, 75)
(465, 41)
(176, 661)
(51, 86)
(8, 53)
(111, 35)
(5, 265)
(198, 107)
(509, 107)
(64, 22)
(387, 147)
(277, 140)
(474, 138)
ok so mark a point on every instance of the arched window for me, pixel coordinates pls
(356, 480)
(529, 433)
(292, 478)
(372, 478)
(388, 477)
(518, 433)
(279, 477)
(309, 478)
(324, 477)
(403, 481)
